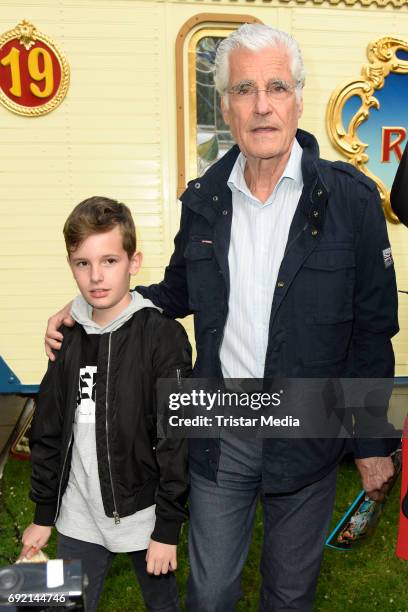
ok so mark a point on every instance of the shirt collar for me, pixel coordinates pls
(293, 171)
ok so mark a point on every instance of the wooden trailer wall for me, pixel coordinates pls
(115, 134)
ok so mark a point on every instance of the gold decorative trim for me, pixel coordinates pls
(363, 3)
(192, 98)
(382, 58)
(336, 3)
(192, 26)
(27, 34)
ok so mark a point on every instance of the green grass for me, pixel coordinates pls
(366, 579)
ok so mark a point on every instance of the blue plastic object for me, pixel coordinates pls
(10, 382)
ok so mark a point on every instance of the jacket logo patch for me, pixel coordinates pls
(206, 241)
(387, 256)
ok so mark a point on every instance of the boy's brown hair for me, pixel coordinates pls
(97, 215)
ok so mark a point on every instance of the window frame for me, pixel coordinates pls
(192, 31)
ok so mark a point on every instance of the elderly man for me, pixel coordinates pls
(283, 259)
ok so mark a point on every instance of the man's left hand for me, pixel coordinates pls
(376, 474)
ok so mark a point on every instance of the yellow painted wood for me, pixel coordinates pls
(115, 135)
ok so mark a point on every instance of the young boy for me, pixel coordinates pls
(98, 472)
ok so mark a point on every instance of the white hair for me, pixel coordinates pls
(256, 37)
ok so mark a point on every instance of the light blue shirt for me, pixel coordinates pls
(259, 233)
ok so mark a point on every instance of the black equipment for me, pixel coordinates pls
(56, 583)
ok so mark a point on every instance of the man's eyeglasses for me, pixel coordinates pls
(276, 90)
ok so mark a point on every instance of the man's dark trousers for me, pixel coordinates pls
(222, 516)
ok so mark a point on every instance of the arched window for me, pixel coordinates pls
(202, 136)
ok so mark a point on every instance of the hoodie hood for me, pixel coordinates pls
(81, 312)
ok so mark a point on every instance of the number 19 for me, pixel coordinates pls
(46, 75)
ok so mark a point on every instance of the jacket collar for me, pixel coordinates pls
(315, 192)
(212, 188)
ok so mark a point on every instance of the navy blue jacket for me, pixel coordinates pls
(334, 308)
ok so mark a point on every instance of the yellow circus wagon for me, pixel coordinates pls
(117, 99)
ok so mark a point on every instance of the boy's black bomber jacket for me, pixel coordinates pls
(135, 469)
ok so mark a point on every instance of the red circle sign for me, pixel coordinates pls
(29, 77)
(34, 74)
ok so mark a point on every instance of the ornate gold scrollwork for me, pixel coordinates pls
(382, 58)
(26, 34)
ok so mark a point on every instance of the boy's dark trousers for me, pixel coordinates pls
(159, 592)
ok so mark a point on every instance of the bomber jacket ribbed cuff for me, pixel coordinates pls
(165, 531)
(45, 514)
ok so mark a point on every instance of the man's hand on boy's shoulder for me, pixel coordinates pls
(53, 337)
(161, 558)
(35, 537)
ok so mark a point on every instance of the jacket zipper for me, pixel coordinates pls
(62, 477)
(178, 374)
(115, 512)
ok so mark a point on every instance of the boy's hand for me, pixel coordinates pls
(54, 338)
(34, 538)
(161, 558)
